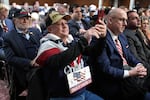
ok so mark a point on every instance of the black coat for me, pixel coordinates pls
(16, 55)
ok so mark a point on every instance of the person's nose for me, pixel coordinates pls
(125, 23)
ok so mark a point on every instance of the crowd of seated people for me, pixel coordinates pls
(58, 42)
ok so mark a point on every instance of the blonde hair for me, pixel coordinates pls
(3, 6)
(143, 18)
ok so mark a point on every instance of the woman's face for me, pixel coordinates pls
(145, 25)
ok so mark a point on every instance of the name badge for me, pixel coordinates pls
(79, 79)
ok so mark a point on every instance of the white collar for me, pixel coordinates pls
(55, 37)
(113, 36)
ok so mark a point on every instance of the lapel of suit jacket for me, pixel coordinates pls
(1, 30)
(19, 42)
(124, 45)
(33, 37)
(75, 24)
(110, 40)
(85, 24)
(139, 35)
(7, 23)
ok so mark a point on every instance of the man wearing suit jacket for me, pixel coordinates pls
(136, 41)
(77, 25)
(21, 46)
(108, 68)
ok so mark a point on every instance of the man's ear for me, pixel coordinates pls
(110, 20)
(49, 28)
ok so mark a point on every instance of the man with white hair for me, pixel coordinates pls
(20, 47)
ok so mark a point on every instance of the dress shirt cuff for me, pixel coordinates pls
(126, 74)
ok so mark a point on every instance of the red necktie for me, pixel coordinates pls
(4, 27)
(119, 48)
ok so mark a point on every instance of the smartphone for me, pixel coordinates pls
(100, 15)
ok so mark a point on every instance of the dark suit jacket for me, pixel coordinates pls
(16, 54)
(108, 68)
(138, 47)
(74, 27)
